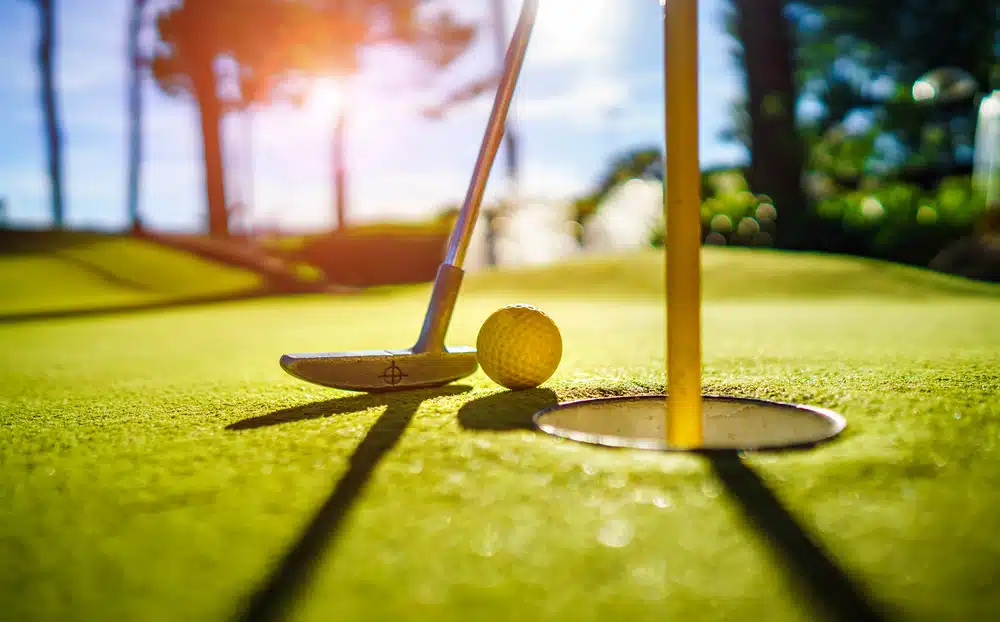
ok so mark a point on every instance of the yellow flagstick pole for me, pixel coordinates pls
(682, 206)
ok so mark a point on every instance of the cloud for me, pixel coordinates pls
(586, 102)
(587, 34)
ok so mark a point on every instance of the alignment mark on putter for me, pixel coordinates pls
(393, 375)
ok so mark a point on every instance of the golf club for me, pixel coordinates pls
(429, 363)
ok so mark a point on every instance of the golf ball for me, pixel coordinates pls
(519, 347)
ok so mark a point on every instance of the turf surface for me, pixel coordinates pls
(59, 272)
(160, 466)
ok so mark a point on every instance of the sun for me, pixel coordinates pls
(326, 97)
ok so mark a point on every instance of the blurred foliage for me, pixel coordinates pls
(884, 174)
(858, 60)
(639, 163)
(230, 54)
(195, 39)
(730, 213)
(885, 218)
(765, 121)
(901, 221)
(840, 154)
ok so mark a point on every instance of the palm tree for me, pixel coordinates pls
(136, 63)
(193, 37)
(274, 48)
(47, 97)
(437, 40)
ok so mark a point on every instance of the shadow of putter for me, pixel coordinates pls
(273, 599)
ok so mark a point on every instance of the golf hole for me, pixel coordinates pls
(730, 423)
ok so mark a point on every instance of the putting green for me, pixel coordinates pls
(160, 466)
(51, 272)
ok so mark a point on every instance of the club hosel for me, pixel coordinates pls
(446, 285)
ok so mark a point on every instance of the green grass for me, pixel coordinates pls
(160, 466)
(53, 272)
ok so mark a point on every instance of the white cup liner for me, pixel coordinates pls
(729, 423)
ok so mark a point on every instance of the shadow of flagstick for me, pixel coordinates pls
(807, 563)
(273, 600)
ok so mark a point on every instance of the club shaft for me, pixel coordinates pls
(462, 233)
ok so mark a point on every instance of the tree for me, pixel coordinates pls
(136, 65)
(194, 34)
(273, 49)
(777, 154)
(195, 37)
(861, 58)
(438, 40)
(50, 109)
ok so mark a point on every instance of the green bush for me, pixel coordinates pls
(900, 221)
(888, 219)
(730, 213)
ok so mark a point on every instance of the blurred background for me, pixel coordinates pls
(329, 143)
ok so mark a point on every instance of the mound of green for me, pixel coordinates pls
(160, 466)
(734, 273)
(62, 271)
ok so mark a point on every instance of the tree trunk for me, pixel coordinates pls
(210, 111)
(340, 170)
(249, 171)
(776, 151)
(53, 129)
(134, 104)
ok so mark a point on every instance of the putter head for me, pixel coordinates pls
(376, 371)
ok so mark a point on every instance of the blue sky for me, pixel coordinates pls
(587, 57)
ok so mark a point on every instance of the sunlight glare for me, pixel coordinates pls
(573, 22)
(326, 97)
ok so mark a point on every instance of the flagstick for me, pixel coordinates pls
(682, 206)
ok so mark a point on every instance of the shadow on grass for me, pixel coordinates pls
(811, 567)
(274, 598)
(344, 405)
(509, 410)
(101, 272)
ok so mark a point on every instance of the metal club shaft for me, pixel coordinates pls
(449, 275)
(461, 234)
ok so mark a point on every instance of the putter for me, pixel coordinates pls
(429, 363)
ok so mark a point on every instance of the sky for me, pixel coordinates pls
(591, 86)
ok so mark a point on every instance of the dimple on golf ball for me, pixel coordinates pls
(519, 347)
